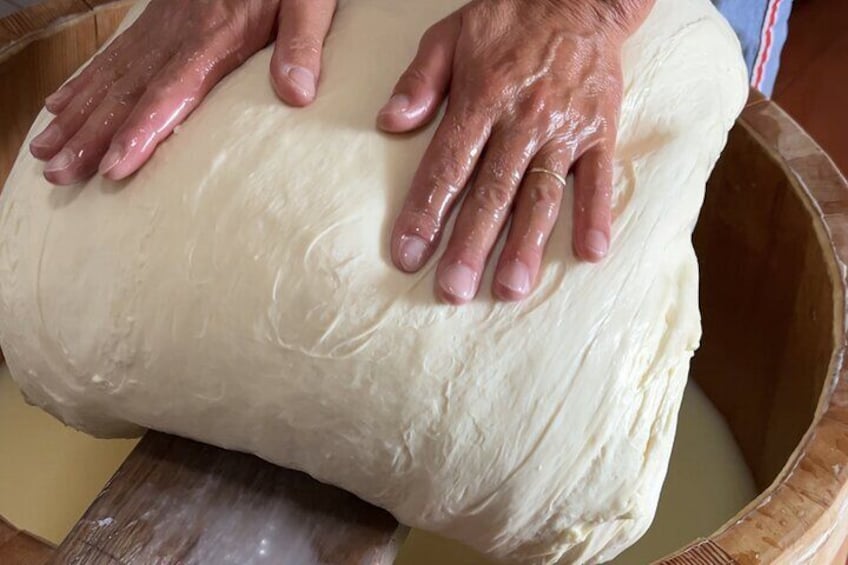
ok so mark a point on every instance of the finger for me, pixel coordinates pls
(77, 100)
(98, 70)
(536, 211)
(167, 101)
(103, 68)
(49, 142)
(79, 158)
(482, 217)
(422, 87)
(592, 195)
(296, 63)
(442, 175)
(59, 99)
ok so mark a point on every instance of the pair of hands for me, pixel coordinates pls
(530, 84)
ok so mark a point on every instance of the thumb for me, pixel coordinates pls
(423, 86)
(296, 63)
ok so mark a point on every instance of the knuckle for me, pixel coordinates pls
(120, 94)
(443, 179)
(429, 36)
(587, 191)
(604, 125)
(175, 85)
(594, 193)
(74, 146)
(544, 196)
(502, 165)
(304, 44)
(475, 94)
(603, 195)
(469, 254)
(156, 96)
(490, 93)
(420, 221)
(102, 61)
(82, 146)
(494, 198)
(437, 32)
(414, 77)
(134, 134)
(615, 97)
(469, 117)
(536, 104)
(527, 250)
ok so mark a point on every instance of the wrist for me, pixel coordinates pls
(616, 17)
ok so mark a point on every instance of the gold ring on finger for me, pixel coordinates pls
(543, 171)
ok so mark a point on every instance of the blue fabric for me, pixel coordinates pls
(762, 27)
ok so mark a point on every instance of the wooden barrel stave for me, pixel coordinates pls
(783, 393)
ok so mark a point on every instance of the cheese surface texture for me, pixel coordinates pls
(238, 291)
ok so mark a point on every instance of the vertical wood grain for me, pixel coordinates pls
(35, 62)
(34, 67)
(108, 16)
(767, 328)
(803, 515)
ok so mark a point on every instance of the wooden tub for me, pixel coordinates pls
(772, 243)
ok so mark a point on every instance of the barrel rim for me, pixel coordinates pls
(819, 184)
(816, 180)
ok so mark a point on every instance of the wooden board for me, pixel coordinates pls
(178, 501)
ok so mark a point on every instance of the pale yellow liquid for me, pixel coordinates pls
(49, 474)
(707, 484)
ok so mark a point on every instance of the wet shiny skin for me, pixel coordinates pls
(130, 97)
(529, 84)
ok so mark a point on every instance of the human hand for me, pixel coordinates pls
(132, 95)
(534, 90)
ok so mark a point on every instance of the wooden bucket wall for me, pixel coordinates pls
(772, 242)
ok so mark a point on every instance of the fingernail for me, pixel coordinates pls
(49, 137)
(112, 158)
(516, 277)
(597, 242)
(459, 281)
(302, 78)
(60, 162)
(397, 104)
(58, 97)
(412, 249)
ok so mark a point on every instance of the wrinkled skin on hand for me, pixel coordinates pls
(132, 96)
(530, 84)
